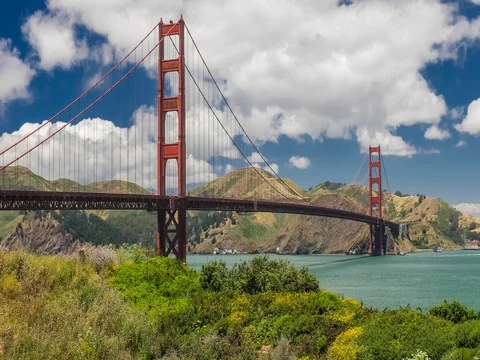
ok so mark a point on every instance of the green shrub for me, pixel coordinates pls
(454, 312)
(215, 276)
(256, 276)
(467, 334)
(397, 334)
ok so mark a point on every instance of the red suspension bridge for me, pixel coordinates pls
(158, 96)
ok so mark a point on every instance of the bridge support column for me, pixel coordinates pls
(172, 224)
(375, 203)
(172, 230)
(379, 240)
(384, 241)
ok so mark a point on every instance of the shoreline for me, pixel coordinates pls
(327, 254)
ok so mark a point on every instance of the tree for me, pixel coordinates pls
(454, 312)
(257, 276)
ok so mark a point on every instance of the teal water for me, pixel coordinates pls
(419, 280)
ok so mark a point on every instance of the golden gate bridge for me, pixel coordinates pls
(186, 136)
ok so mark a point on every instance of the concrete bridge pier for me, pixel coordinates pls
(378, 240)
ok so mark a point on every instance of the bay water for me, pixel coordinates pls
(417, 279)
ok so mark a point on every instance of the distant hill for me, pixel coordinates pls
(53, 232)
(431, 221)
(250, 183)
(21, 178)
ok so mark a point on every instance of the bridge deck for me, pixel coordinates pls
(33, 200)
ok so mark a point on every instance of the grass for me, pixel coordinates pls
(54, 307)
(391, 213)
(9, 220)
(232, 181)
(253, 232)
(360, 196)
(7, 216)
(22, 178)
(196, 191)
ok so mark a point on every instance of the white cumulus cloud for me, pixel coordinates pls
(472, 209)
(54, 40)
(435, 133)
(337, 72)
(95, 149)
(15, 74)
(300, 162)
(390, 144)
(255, 157)
(272, 169)
(229, 168)
(471, 123)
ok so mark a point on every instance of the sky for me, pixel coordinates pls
(314, 82)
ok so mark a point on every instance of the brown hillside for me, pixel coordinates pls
(311, 234)
(303, 234)
(249, 183)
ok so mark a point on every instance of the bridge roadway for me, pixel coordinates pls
(35, 200)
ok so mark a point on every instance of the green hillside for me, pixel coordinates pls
(249, 183)
(35, 228)
(21, 178)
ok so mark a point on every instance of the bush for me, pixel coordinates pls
(215, 276)
(397, 334)
(467, 334)
(257, 276)
(454, 312)
(143, 282)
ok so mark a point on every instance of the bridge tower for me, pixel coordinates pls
(377, 231)
(172, 223)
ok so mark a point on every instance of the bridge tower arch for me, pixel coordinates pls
(377, 231)
(172, 223)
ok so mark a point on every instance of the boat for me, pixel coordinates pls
(437, 249)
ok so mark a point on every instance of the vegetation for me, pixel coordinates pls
(123, 304)
(119, 227)
(115, 227)
(328, 185)
(472, 235)
(257, 276)
(201, 221)
(391, 213)
(8, 222)
(447, 223)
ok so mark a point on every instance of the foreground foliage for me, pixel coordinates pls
(122, 304)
